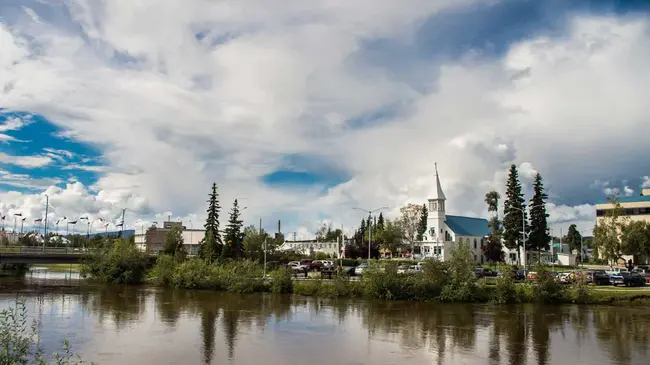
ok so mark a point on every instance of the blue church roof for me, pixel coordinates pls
(467, 226)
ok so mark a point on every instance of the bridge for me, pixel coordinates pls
(47, 255)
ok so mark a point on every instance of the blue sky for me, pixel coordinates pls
(305, 112)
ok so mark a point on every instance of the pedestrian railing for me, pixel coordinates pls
(43, 250)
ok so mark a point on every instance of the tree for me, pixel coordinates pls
(573, 238)
(323, 231)
(410, 220)
(635, 239)
(493, 249)
(212, 245)
(391, 237)
(234, 247)
(254, 243)
(422, 226)
(492, 200)
(539, 237)
(513, 208)
(607, 234)
(380, 222)
(173, 243)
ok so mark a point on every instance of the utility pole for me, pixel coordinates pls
(47, 205)
(122, 233)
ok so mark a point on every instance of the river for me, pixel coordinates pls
(145, 325)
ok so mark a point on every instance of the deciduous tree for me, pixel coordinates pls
(409, 220)
(607, 234)
(635, 239)
(173, 243)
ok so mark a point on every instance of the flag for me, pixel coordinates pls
(106, 225)
(24, 219)
(3, 217)
(73, 222)
(19, 214)
(101, 219)
(38, 220)
(119, 225)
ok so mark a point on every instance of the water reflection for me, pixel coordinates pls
(199, 327)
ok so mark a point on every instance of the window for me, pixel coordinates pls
(427, 249)
(475, 245)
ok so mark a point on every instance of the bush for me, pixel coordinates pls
(579, 292)
(163, 271)
(548, 290)
(462, 279)
(17, 341)
(505, 290)
(118, 262)
(281, 281)
(194, 274)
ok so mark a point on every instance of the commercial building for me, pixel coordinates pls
(333, 249)
(444, 232)
(152, 240)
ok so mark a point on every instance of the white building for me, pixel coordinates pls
(191, 237)
(444, 232)
(333, 249)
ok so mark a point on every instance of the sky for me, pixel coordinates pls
(306, 110)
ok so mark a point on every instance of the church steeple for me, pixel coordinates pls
(438, 194)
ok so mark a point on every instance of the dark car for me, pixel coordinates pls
(627, 279)
(518, 275)
(597, 277)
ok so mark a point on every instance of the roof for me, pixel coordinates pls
(627, 199)
(438, 194)
(467, 226)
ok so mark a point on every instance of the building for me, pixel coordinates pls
(156, 238)
(634, 208)
(444, 232)
(333, 249)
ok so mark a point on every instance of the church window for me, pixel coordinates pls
(434, 206)
(475, 243)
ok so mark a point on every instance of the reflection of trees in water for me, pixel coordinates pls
(121, 303)
(208, 318)
(169, 304)
(622, 332)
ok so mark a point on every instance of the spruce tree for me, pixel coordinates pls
(212, 245)
(422, 225)
(234, 245)
(381, 225)
(573, 238)
(514, 209)
(539, 237)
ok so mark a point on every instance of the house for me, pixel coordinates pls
(444, 232)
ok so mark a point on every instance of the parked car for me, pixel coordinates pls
(597, 277)
(402, 269)
(615, 271)
(323, 264)
(296, 266)
(627, 278)
(359, 269)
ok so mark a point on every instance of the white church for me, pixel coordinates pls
(444, 232)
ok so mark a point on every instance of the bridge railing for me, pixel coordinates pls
(43, 250)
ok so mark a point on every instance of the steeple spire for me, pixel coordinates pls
(438, 194)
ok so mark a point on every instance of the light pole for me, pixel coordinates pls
(523, 221)
(370, 226)
(47, 205)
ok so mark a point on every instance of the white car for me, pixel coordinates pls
(359, 269)
(296, 266)
(325, 264)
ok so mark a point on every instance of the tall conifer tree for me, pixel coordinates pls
(234, 245)
(514, 208)
(422, 225)
(212, 244)
(539, 238)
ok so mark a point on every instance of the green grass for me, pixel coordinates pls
(60, 267)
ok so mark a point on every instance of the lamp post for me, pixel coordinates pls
(370, 226)
(523, 221)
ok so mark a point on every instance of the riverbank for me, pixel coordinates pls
(58, 267)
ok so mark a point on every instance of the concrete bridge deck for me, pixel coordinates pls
(47, 255)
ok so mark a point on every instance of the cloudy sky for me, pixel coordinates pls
(306, 109)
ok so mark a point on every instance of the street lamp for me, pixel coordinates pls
(370, 226)
(523, 221)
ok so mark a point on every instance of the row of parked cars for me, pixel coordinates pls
(615, 277)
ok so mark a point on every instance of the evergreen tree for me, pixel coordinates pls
(422, 225)
(380, 222)
(234, 246)
(212, 245)
(539, 237)
(573, 238)
(515, 214)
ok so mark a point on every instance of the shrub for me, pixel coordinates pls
(505, 290)
(118, 262)
(281, 281)
(194, 274)
(548, 290)
(579, 292)
(462, 279)
(17, 341)
(163, 271)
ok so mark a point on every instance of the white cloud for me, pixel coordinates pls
(91, 168)
(25, 161)
(190, 112)
(627, 191)
(645, 184)
(25, 181)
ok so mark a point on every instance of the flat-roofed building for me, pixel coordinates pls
(636, 208)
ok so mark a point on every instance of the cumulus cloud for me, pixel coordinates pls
(179, 96)
(645, 183)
